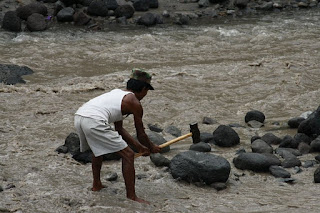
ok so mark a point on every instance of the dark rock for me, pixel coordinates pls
(98, 8)
(317, 158)
(219, 186)
(201, 147)
(80, 18)
(141, 5)
(301, 137)
(11, 74)
(304, 148)
(206, 137)
(311, 126)
(11, 22)
(287, 180)
(124, 10)
(147, 19)
(217, 1)
(173, 130)
(36, 7)
(266, 6)
(279, 172)
(182, 20)
(153, 3)
(157, 139)
(290, 162)
(239, 151)
(309, 163)
(203, 3)
(194, 166)
(69, 3)
(122, 20)
(256, 161)
(209, 121)
(83, 157)
(155, 128)
(159, 160)
(62, 149)
(66, 14)
(282, 151)
(72, 142)
(235, 125)
(270, 138)
(317, 175)
(241, 3)
(225, 136)
(36, 22)
(315, 145)
(112, 4)
(254, 115)
(288, 142)
(260, 146)
(295, 122)
(255, 137)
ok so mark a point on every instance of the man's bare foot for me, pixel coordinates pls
(97, 187)
(140, 200)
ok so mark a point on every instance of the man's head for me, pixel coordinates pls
(139, 79)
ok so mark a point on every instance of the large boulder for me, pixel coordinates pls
(256, 162)
(11, 74)
(36, 22)
(36, 7)
(311, 126)
(192, 166)
(225, 136)
(148, 19)
(254, 115)
(11, 22)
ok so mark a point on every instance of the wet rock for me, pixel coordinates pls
(62, 149)
(254, 115)
(315, 145)
(36, 22)
(260, 146)
(124, 10)
(11, 22)
(72, 142)
(255, 124)
(11, 74)
(203, 3)
(173, 130)
(98, 8)
(219, 186)
(159, 160)
(182, 19)
(295, 122)
(309, 163)
(279, 172)
(311, 126)
(255, 137)
(66, 14)
(241, 3)
(194, 166)
(256, 162)
(317, 175)
(157, 139)
(270, 138)
(201, 147)
(147, 19)
(225, 136)
(80, 18)
(209, 121)
(36, 7)
(155, 128)
(83, 157)
(141, 5)
(301, 137)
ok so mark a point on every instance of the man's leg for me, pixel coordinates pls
(96, 168)
(128, 173)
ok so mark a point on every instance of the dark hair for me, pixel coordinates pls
(136, 85)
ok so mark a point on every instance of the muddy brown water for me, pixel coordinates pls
(219, 70)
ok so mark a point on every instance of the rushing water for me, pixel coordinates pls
(219, 70)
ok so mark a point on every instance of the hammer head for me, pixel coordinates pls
(195, 132)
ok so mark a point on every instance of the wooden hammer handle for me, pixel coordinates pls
(168, 143)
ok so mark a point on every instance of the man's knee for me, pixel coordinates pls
(127, 153)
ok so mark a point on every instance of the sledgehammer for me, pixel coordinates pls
(194, 133)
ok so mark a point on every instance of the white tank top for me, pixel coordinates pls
(106, 107)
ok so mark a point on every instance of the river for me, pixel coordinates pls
(220, 70)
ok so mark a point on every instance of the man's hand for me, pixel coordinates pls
(144, 151)
(155, 149)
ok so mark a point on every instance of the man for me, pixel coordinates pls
(93, 119)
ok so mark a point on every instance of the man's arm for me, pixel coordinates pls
(129, 139)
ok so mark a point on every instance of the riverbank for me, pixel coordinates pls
(117, 13)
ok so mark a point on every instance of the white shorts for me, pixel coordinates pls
(98, 136)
